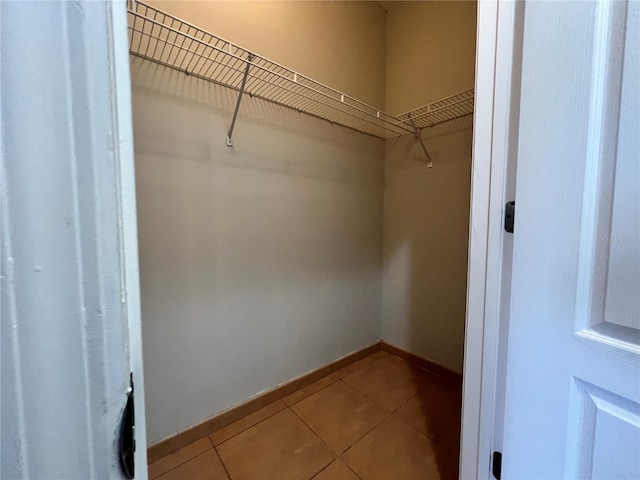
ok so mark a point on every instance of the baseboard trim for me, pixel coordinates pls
(222, 419)
(421, 362)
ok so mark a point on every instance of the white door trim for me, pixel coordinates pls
(69, 295)
(498, 59)
(124, 159)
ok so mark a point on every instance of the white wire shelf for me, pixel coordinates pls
(172, 42)
(444, 110)
(169, 41)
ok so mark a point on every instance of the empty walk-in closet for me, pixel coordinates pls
(303, 176)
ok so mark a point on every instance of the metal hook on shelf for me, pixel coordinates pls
(235, 113)
(418, 133)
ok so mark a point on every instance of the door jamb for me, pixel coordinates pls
(124, 158)
(497, 94)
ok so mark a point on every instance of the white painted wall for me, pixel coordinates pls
(426, 211)
(258, 263)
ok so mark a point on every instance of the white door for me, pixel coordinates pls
(573, 371)
(70, 322)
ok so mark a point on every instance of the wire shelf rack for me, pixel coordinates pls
(169, 41)
(444, 110)
(162, 38)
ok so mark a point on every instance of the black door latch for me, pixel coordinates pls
(509, 216)
(127, 434)
(496, 467)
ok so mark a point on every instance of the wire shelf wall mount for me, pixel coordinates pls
(169, 41)
(442, 111)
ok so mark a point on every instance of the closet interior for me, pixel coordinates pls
(303, 229)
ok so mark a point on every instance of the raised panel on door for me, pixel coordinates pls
(608, 304)
(600, 420)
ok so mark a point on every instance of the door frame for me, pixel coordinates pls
(122, 105)
(497, 94)
(91, 329)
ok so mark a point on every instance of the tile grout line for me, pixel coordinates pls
(367, 432)
(222, 462)
(286, 407)
(317, 435)
(267, 418)
(364, 395)
(245, 429)
(439, 444)
(390, 414)
(381, 421)
(419, 390)
(352, 470)
(323, 469)
(431, 438)
(336, 379)
(186, 461)
(337, 459)
(338, 455)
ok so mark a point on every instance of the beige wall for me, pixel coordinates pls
(340, 44)
(430, 54)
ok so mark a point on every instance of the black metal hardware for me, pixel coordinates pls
(127, 434)
(496, 465)
(509, 216)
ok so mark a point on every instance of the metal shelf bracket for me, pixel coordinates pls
(418, 134)
(250, 58)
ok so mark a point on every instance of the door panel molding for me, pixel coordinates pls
(597, 419)
(593, 293)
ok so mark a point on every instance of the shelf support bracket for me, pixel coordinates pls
(418, 133)
(235, 113)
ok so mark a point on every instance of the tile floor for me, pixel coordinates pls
(376, 419)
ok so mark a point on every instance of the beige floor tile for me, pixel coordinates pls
(309, 389)
(246, 422)
(435, 411)
(178, 457)
(340, 415)
(336, 471)
(206, 466)
(390, 383)
(354, 367)
(393, 450)
(281, 447)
